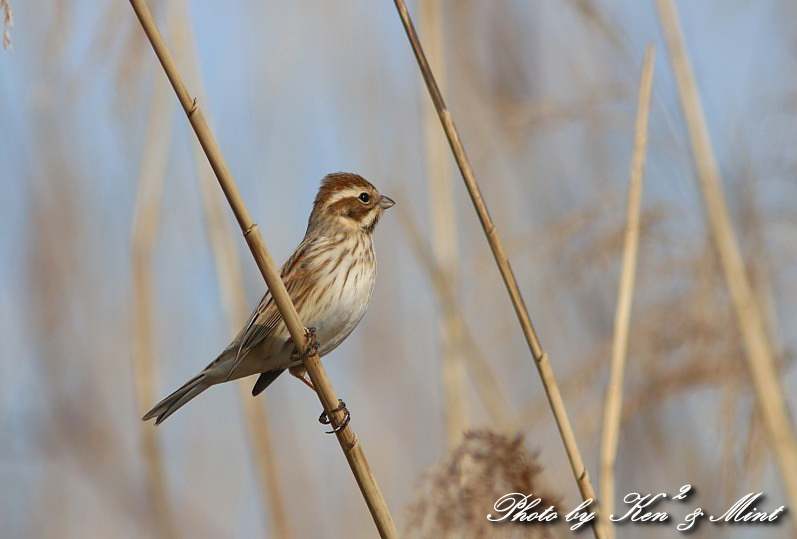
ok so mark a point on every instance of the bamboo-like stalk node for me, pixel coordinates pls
(540, 357)
(346, 437)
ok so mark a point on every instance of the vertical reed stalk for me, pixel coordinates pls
(443, 232)
(540, 357)
(346, 437)
(758, 349)
(481, 374)
(622, 316)
(233, 298)
(145, 225)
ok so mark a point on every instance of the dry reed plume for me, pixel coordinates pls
(759, 354)
(456, 493)
(544, 96)
(541, 360)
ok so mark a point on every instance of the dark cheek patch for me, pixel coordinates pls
(351, 208)
(358, 214)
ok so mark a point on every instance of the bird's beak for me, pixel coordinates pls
(386, 202)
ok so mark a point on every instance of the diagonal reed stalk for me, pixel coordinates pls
(540, 357)
(228, 272)
(758, 349)
(481, 374)
(232, 295)
(145, 225)
(233, 298)
(443, 229)
(346, 437)
(622, 317)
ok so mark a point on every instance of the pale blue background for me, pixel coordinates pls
(296, 90)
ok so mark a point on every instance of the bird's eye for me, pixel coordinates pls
(364, 198)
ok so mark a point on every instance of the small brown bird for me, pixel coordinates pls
(330, 278)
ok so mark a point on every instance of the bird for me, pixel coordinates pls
(330, 279)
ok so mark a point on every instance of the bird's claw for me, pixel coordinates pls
(312, 346)
(325, 420)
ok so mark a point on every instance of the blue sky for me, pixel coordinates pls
(294, 91)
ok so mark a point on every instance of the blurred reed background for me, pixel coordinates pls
(544, 95)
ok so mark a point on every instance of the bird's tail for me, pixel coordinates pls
(176, 400)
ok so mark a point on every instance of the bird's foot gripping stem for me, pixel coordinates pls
(324, 418)
(312, 346)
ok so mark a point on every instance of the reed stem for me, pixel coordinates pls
(540, 357)
(145, 227)
(622, 317)
(346, 437)
(758, 349)
(443, 227)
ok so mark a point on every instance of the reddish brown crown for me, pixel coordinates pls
(347, 200)
(340, 181)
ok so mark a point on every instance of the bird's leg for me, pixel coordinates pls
(312, 346)
(299, 372)
(324, 418)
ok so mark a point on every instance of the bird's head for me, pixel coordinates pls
(349, 202)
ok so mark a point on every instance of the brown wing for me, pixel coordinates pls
(266, 316)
